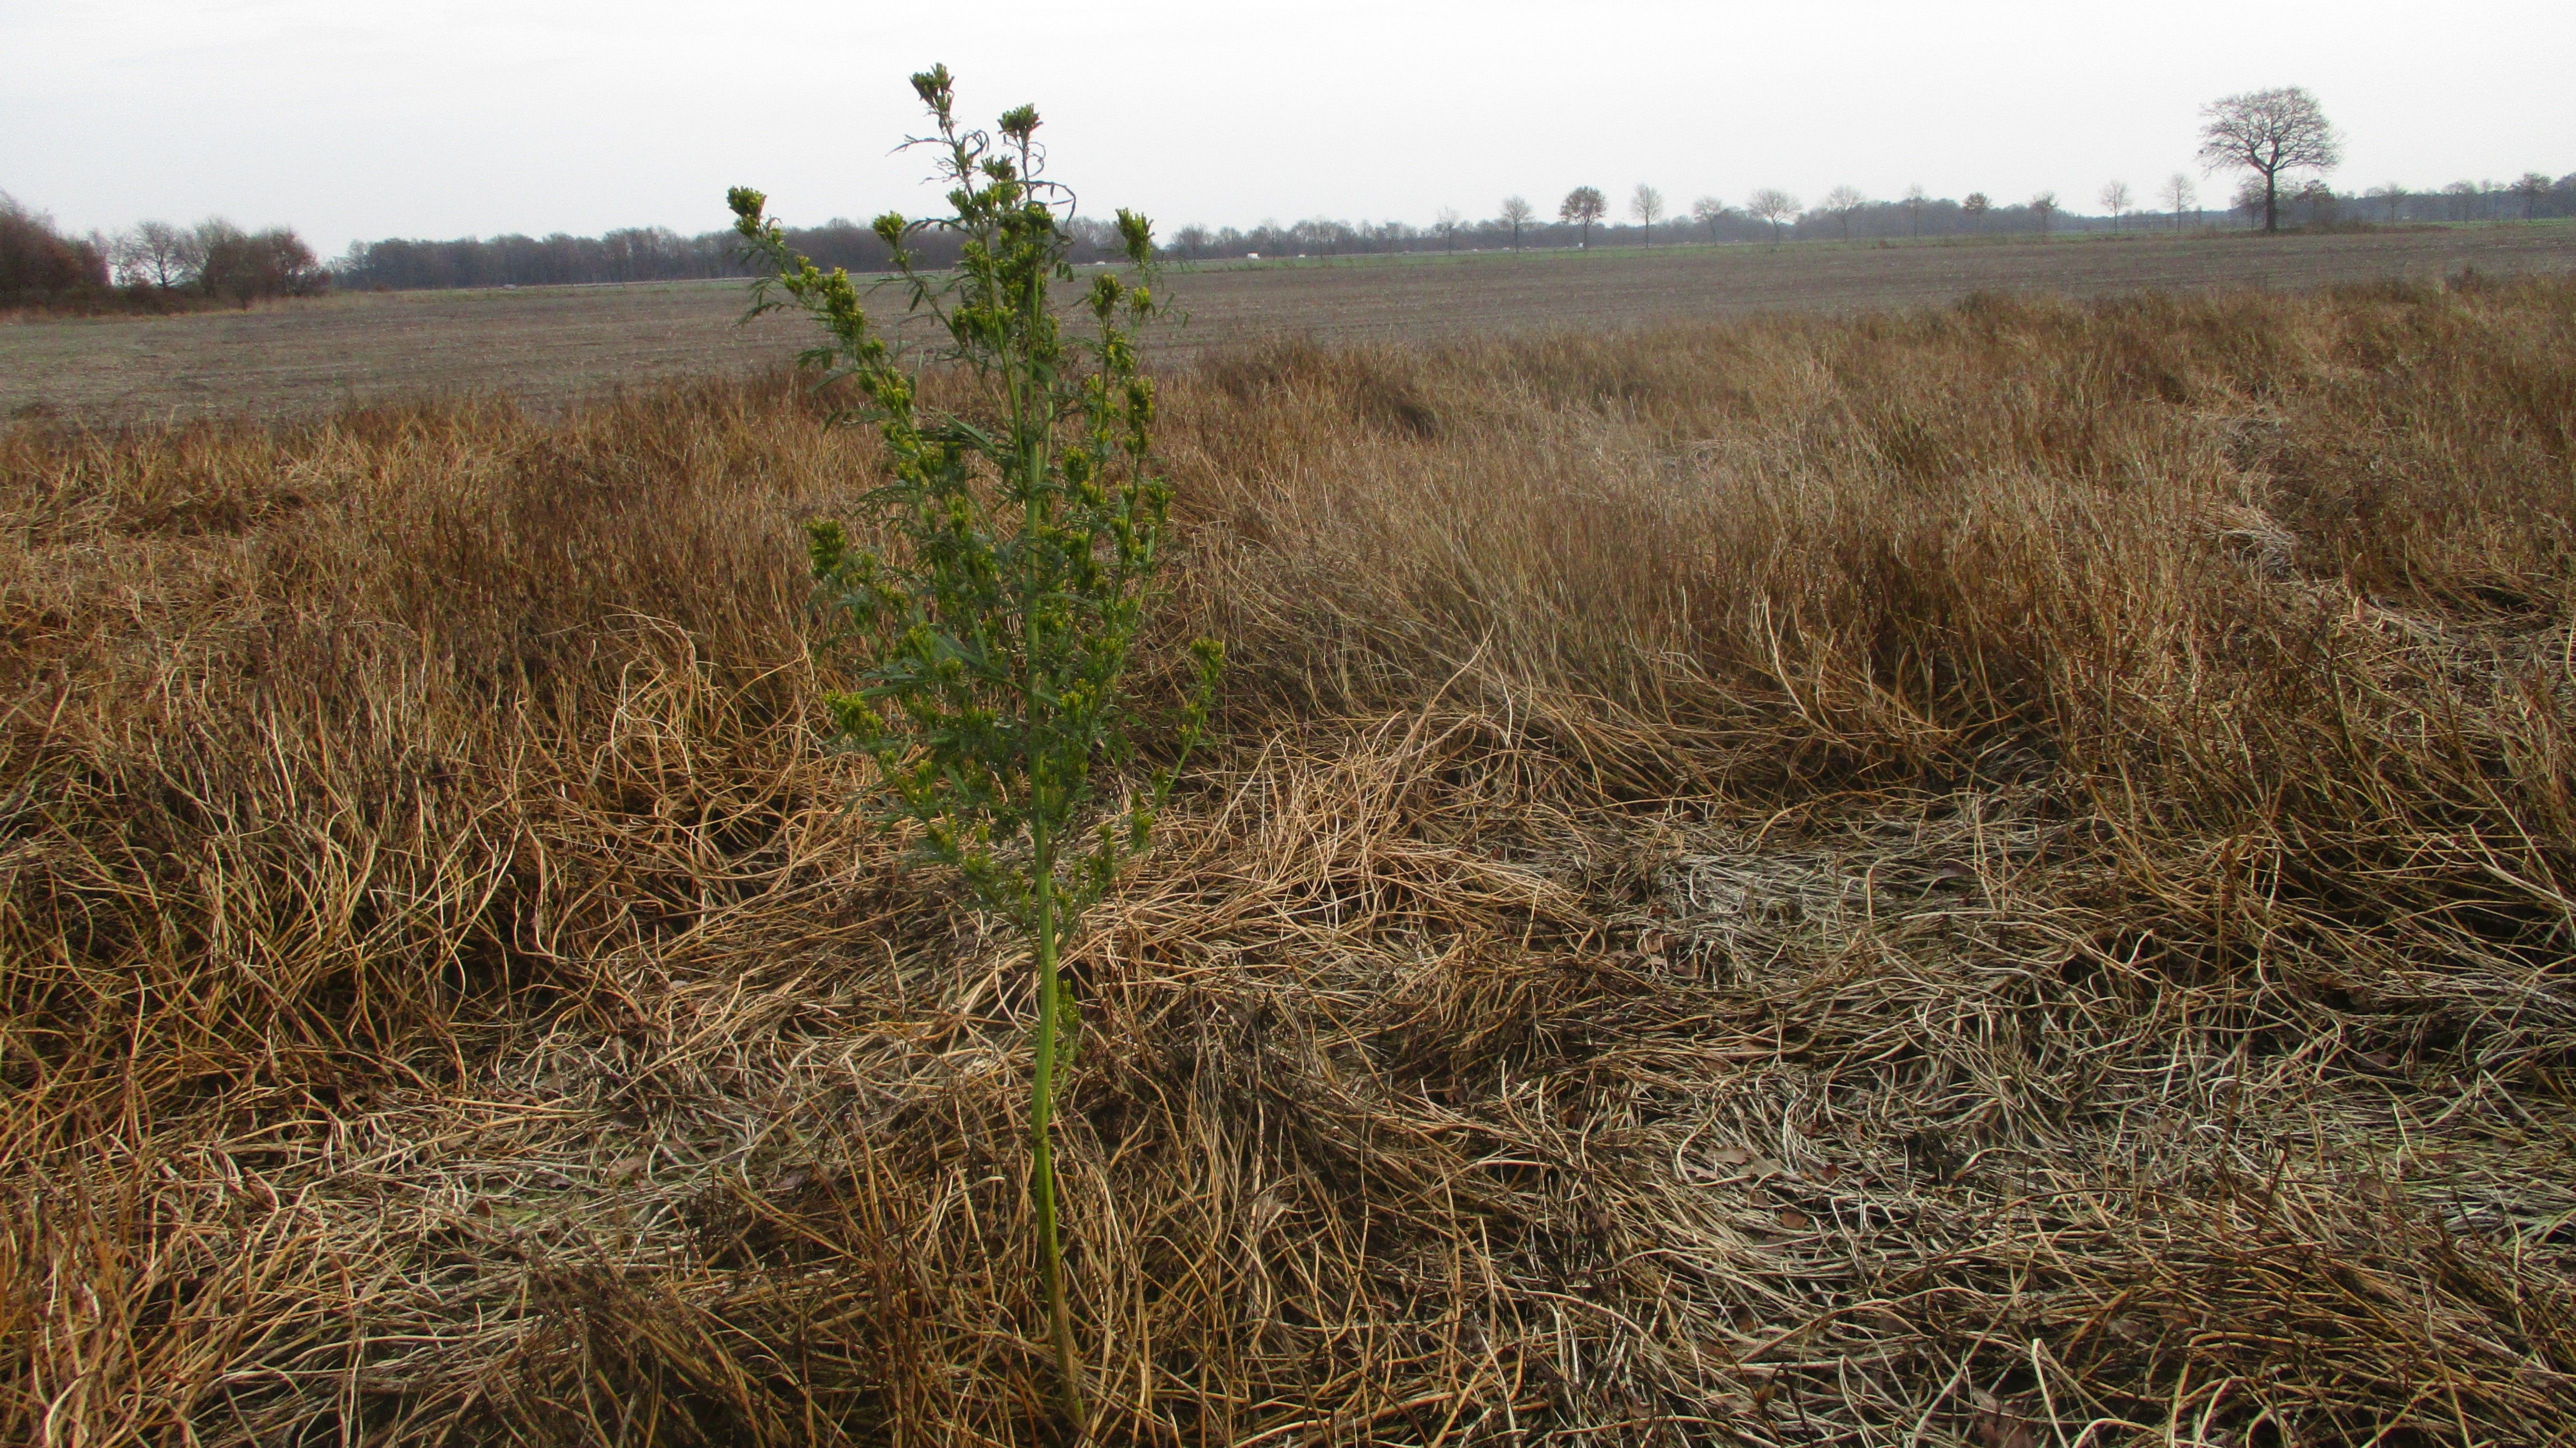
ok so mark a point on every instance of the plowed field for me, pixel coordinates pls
(551, 344)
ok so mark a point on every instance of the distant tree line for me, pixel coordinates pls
(1769, 215)
(633, 254)
(2277, 141)
(218, 260)
(154, 267)
(637, 254)
(2533, 197)
(158, 266)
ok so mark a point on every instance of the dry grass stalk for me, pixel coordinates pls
(1986, 877)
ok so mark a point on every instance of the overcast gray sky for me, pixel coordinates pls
(454, 117)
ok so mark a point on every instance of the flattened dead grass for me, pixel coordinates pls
(1996, 876)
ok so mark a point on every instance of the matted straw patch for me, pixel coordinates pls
(1997, 877)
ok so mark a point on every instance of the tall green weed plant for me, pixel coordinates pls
(994, 626)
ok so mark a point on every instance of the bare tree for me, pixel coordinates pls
(1446, 223)
(2043, 205)
(1709, 211)
(240, 266)
(2464, 199)
(1843, 201)
(2531, 187)
(155, 254)
(2115, 199)
(2250, 200)
(1516, 214)
(2179, 196)
(125, 260)
(1914, 199)
(2319, 203)
(2392, 196)
(2266, 133)
(1647, 205)
(202, 248)
(1322, 233)
(1975, 209)
(1583, 205)
(1773, 205)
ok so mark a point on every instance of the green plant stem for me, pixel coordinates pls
(992, 686)
(1041, 1145)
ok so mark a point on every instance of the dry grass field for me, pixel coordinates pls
(553, 344)
(1996, 875)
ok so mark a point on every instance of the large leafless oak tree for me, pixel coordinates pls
(2266, 133)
